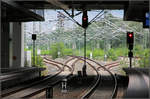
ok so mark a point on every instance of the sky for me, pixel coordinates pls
(118, 13)
(52, 15)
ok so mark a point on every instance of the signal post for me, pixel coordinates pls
(130, 43)
(84, 25)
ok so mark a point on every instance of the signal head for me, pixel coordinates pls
(130, 35)
(130, 40)
(34, 37)
(85, 19)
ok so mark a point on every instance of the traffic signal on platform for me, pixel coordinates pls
(85, 19)
(33, 36)
(130, 40)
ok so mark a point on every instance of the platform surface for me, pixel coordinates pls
(138, 86)
(13, 76)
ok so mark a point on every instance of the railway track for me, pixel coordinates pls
(50, 61)
(90, 92)
(39, 86)
(110, 65)
(78, 90)
(8, 92)
(95, 91)
(70, 63)
(26, 90)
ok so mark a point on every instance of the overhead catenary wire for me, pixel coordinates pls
(96, 17)
(72, 18)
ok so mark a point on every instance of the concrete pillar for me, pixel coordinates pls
(0, 44)
(5, 45)
(11, 45)
(18, 45)
(22, 45)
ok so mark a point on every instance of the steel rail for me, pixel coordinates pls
(35, 83)
(48, 62)
(58, 63)
(91, 90)
(43, 89)
(73, 65)
(65, 64)
(110, 64)
(115, 79)
(7, 93)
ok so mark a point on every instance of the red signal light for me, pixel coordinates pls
(130, 40)
(130, 35)
(84, 19)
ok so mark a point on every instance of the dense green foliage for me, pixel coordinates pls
(112, 55)
(68, 51)
(96, 53)
(145, 58)
(46, 52)
(38, 61)
(57, 50)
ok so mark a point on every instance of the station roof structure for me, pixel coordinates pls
(134, 10)
(78, 4)
(13, 12)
